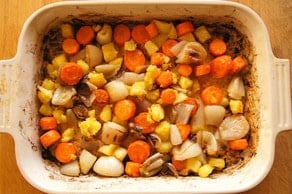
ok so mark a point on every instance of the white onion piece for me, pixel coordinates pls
(214, 114)
(198, 119)
(117, 90)
(70, 169)
(93, 55)
(108, 70)
(233, 127)
(112, 133)
(108, 166)
(208, 140)
(184, 111)
(79, 56)
(187, 150)
(177, 48)
(175, 137)
(62, 95)
(129, 78)
(236, 88)
(86, 161)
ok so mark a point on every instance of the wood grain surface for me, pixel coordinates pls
(277, 15)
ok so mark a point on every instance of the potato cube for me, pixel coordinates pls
(187, 37)
(163, 27)
(202, 34)
(151, 47)
(205, 170)
(109, 52)
(217, 162)
(108, 149)
(185, 82)
(120, 153)
(193, 165)
(67, 31)
(67, 135)
(157, 112)
(97, 79)
(172, 32)
(106, 113)
(163, 130)
(236, 106)
(164, 147)
(130, 45)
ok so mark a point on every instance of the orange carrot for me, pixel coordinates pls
(133, 59)
(192, 101)
(212, 95)
(70, 46)
(185, 69)
(157, 58)
(122, 34)
(166, 47)
(184, 28)
(203, 69)
(85, 35)
(152, 30)
(217, 47)
(140, 34)
(125, 109)
(179, 164)
(71, 73)
(65, 152)
(184, 130)
(133, 169)
(238, 144)
(101, 97)
(49, 138)
(238, 64)
(48, 123)
(168, 96)
(221, 66)
(145, 122)
(164, 79)
(138, 151)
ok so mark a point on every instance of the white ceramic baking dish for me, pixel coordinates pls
(18, 107)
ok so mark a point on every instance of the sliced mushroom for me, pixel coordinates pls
(207, 140)
(108, 70)
(152, 165)
(80, 111)
(113, 133)
(192, 52)
(233, 127)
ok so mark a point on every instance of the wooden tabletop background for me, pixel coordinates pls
(277, 15)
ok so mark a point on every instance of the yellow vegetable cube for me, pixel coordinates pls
(46, 109)
(97, 79)
(120, 153)
(108, 149)
(59, 116)
(185, 82)
(172, 32)
(48, 84)
(90, 126)
(106, 113)
(52, 70)
(180, 97)
(152, 73)
(163, 27)
(59, 60)
(225, 102)
(150, 47)
(196, 86)
(109, 52)
(193, 165)
(68, 135)
(202, 34)
(164, 147)
(163, 130)
(67, 31)
(205, 170)
(44, 95)
(130, 45)
(153, 95)
(83, 65)
(236, 106)
(157, 112)
(187, 37)
(159, 39)
(138, 89)
(217, 162)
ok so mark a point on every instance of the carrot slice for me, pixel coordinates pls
(203, 69)
(49, 138)
(238, 64)
(184, 28)
(185, 69)
(101, 97)
(184, 130)
(164, 79)
(140, 34)
(65, 152)
(157, 58)
(133, 169)
(122, 34)
(125, 109)
(70, 46)
(139, 151)
(152, 30)
(221, 66)
(166, 47)
(212, 95)
(238, 144)
(179, 164)
(145, 122)
(48, 123)
(85, 35)
(217, 47)
(71, 73)
(168, 96)
(134, 59)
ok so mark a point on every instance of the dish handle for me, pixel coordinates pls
(282, 101)
(7, 95)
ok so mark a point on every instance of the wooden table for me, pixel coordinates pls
(277, 15)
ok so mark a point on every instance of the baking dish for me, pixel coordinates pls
(18, 78)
